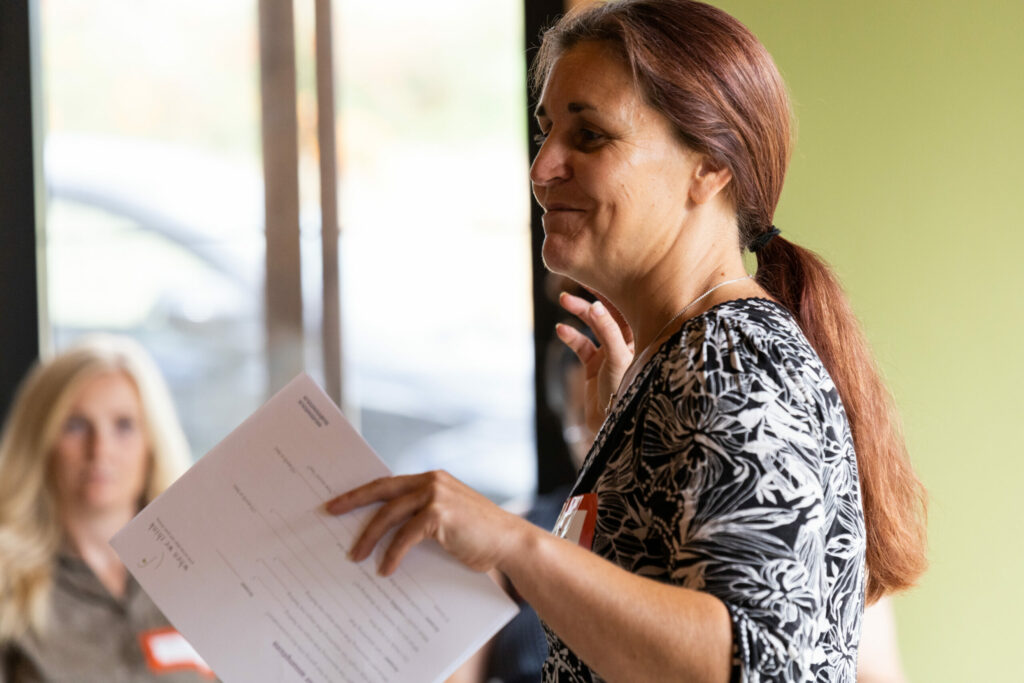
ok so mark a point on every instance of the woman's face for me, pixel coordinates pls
(100, 460)
(611, 175)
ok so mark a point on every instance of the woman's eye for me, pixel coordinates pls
(125, 425)
(75, 425)
(585, 137)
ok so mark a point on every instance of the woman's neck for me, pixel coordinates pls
(701, 268)
(652, 301)
(89, 534)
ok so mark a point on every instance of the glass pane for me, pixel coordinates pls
(155, 210)
(154, 225)
(435, 236)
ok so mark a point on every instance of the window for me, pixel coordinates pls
(155, 215)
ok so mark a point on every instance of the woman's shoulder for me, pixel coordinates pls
(741, 335)
(740, 342)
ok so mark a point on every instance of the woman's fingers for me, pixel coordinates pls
(576, 341)
(608, 332)
(382, 489)
(430, 505)
(614, 337)
(422, 526)
(624, 328)
(387, 517)
(605, 364)
(574, 304)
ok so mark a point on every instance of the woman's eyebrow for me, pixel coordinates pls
(577, 107)
(573, 107)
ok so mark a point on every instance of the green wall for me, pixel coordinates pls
(907, 175)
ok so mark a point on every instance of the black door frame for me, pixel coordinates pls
(20, 195)
(554, 466)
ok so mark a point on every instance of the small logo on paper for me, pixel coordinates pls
(153, 561)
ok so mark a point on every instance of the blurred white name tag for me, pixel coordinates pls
(577, 520)
(167, 650)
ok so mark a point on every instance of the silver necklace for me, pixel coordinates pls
(657, 336)
(690, 305)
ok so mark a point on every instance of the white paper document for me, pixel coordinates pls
(242, 559)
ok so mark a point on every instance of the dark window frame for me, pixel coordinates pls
(554, 466)
(20, 196)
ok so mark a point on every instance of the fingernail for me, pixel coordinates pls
(598, 308)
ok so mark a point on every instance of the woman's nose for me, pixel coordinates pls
(550, 165)
(101, 442)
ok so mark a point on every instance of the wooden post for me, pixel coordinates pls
(283, 285)
(333, 370)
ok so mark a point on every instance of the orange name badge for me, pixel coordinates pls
(167, 650)
(577, 520)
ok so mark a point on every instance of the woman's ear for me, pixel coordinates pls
(709, 179)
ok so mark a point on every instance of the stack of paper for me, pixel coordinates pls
(242, 559)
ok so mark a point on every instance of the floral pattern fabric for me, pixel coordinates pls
(728, 467)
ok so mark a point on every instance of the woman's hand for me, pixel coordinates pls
(434, 505)
(660, 632)
(603, 366)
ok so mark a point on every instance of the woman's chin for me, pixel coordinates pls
(103, 502)
(560, 257)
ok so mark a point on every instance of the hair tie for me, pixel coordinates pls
(764, 238)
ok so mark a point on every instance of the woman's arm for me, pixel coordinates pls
(745, 525)
(625, 627)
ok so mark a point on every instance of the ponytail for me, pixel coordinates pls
(893, 498)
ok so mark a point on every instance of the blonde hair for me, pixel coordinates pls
(30, 528)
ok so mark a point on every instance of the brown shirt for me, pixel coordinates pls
(92, 636)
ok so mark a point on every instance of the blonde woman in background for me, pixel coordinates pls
(91, 438)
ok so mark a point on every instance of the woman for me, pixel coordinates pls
(91, 438)
(748, 479)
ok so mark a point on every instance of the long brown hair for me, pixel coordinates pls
(717, 84)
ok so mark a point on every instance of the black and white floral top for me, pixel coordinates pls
(728, 467)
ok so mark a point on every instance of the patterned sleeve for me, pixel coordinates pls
(738, 462)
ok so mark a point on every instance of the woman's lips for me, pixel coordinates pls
(559, 206)
(561, 218)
